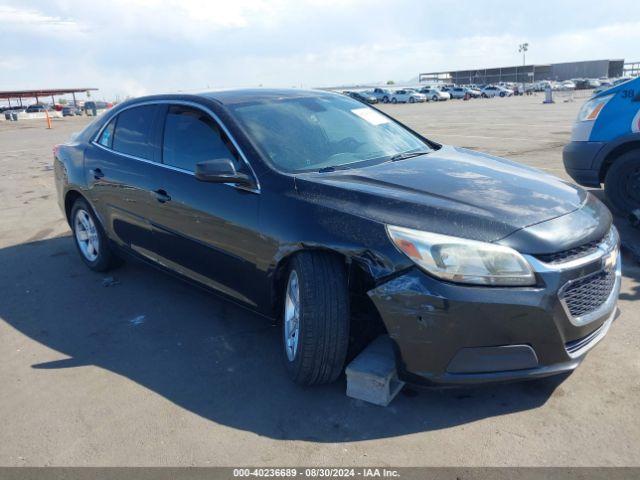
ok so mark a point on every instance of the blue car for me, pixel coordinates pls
(605, 145)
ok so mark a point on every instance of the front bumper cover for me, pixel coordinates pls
(449, 334)
(579, 160)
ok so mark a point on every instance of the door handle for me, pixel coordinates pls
(97, 173)
(162, 196)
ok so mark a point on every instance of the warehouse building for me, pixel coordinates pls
(530, 73)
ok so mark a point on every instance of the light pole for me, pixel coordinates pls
(522, 48)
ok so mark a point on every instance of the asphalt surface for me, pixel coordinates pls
(135, 367)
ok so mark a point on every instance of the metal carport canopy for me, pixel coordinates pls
(7, 94)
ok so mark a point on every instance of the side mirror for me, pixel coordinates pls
(221, 170)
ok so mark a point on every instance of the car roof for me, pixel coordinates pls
(247, 95)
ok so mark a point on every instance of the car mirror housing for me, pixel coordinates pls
(221, 170)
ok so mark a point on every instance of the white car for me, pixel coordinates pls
(407, 96)
(461, 92)
(382, 94)
(491, 91)
(435, 95)
(567, 85)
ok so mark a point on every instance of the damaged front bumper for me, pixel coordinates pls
(454, 334)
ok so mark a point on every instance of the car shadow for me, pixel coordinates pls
(208, 355)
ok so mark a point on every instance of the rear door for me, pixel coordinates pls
(206, 231)
(120, 170)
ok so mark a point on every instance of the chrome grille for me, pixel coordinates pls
(588, 294)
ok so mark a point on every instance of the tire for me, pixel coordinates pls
(318, 353)
(394, 100)
(434, 98)
(83, 219)
(502, 94)
(484, 95)
(412, 100)
(385, 99)
(622, 182)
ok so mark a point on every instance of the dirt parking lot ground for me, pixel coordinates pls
(142, 369)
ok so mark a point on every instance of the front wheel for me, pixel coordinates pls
(315, 324)
(434, 98)
(622, 182)
(394, 100)
(412, 100)
(502, 94)
(385, 99)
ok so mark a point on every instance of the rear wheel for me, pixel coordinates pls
(412, 100)
(385, 99)
(315, 324)
(434, 98)
(394, 100)
(502, 94)
(622, 182)
(90, 239)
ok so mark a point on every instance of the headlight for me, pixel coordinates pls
(461, 260)
(592, 108)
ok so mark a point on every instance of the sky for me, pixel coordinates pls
(136, 47)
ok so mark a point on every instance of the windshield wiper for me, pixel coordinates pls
(405, 155)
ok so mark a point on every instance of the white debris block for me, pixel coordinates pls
(372, 375)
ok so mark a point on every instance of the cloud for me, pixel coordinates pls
(130, 47)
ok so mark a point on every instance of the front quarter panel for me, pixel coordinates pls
(291, 222)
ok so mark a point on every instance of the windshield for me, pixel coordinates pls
(313, 133)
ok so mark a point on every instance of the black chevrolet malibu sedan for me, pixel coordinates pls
(341, 223)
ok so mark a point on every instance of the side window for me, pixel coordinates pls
(191, 136)
(133, 132)
(106, 137)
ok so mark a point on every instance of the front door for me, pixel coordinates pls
(206, 231)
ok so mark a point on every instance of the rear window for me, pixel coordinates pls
(132, 133)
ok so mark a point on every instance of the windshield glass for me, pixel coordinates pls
(312, 133)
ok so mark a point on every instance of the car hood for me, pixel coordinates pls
(452, 191)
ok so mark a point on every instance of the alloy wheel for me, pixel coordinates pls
(86, 235)
(292, 316)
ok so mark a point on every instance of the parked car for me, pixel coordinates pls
(407, 95)
(581, 83)
(339, 222)
(363, 97)
(93, 106)
(434, 95)
(37, 108)
(593, 83)
(607, 85)
(10, 113)
(605, 145)
(70, 111)
(491, 91)
(462, 92)
(382, 94)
